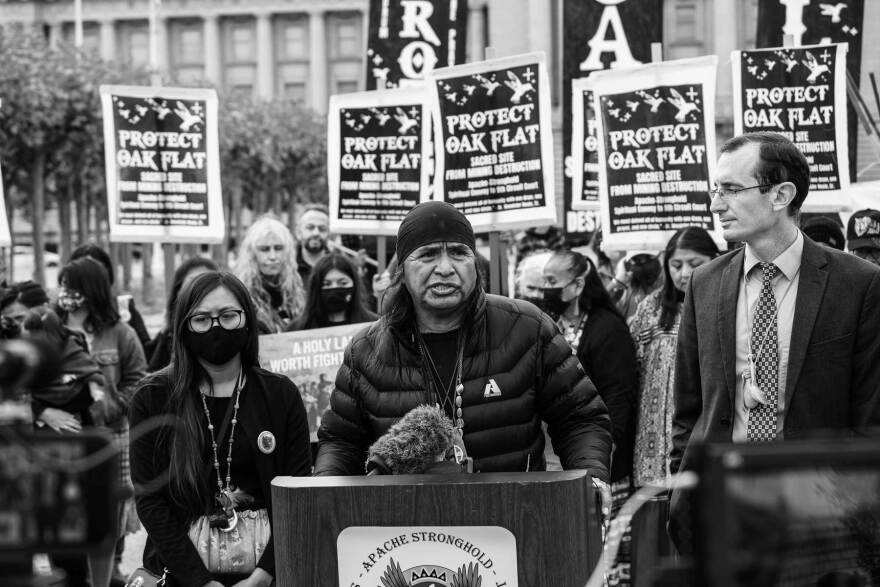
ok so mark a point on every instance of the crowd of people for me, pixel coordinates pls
(622, 364)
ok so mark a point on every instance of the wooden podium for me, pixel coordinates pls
(551, 515)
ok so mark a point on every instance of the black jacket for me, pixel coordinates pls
(270, 402)
(510, 341)
(607, 352)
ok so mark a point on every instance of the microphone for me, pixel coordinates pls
(416, 444)
(27, 362)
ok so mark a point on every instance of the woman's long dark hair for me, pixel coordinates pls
(179, 275)
(691, 238)
(89, 277)
(315, 314)
(594, 294)
(188, 486)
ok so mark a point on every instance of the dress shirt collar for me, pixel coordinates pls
(789, 261)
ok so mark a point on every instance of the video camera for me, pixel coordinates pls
(58, 492)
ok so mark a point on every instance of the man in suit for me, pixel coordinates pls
(779, 339)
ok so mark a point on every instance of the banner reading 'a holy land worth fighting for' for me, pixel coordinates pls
(309, 358)
(597, 34)
(656, 125)
(493, 142)
(799, 92)
(162, 162)
(378, 158)
(410, 38)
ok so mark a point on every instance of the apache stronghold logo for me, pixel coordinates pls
(463, 556)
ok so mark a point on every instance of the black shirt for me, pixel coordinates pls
(442, 350)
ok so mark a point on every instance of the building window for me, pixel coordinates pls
(242, 47)
(134, 43)
(346, 86)
(292, 36)
(346, 38)
(686, 22)
(294, 91)
(188, 51)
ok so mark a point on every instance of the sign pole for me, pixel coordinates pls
(497, 253)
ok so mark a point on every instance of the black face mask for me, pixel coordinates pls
(336, 299)
(217, 346)
(553, 302)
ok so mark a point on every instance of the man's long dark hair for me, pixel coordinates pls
(691, 238)
(315, 314)
(89, 277)
(594, 294)
(188, 483)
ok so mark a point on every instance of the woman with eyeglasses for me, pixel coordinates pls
(267, 266)
(86, 305)
(226, 428)
(335, 295)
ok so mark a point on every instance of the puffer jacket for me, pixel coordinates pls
(510, 341)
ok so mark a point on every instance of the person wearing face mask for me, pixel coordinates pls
(86, 305)
(575, 297)
(654, 328)
(267, 265)
(235, 427)
(334, 295)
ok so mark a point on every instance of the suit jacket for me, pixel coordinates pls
(833, 380)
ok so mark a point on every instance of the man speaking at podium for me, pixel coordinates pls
(496, 366)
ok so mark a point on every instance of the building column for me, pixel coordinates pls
(211, 39)
(265, 57)
(318, 65)
(540, 27)
(476, 33)
(108, 40)
(163, 64)
(724, 34)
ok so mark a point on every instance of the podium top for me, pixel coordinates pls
(535, 477)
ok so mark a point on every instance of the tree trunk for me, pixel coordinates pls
(64, 219)
(82, 216)
(38, 204)
(236, 213)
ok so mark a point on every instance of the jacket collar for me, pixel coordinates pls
(474, 337)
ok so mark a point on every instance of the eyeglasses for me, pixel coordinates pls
(227, 319)
(727, 193)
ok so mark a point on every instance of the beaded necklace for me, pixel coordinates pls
(223, 497)
(454, 404)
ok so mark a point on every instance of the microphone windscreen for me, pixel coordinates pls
(415, 443)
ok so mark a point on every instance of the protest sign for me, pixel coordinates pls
(656, 151)
(597, 34)
(799, 92)
(378, 159)
(162, 164)
(309, 358)
(407, 39)
(493, 142)
(818, 22)
(584, 148)
(5, 234)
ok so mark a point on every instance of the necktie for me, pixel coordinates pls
(762, 418)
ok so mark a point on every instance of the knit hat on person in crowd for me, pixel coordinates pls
(863, 230)
(431, 222)
(825, 230)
